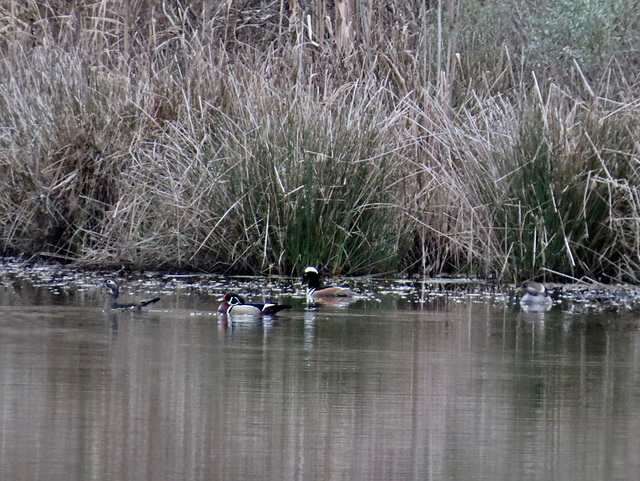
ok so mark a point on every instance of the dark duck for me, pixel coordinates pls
(113, 291)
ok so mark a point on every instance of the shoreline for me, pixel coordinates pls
(583, 297)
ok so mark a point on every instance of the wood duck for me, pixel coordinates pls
(113, 290)
(233, 304)
(535, 295)
(315, 290)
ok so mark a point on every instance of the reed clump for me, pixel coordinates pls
(569, 190)
(263, 137)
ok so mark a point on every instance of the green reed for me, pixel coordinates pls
(569, 202)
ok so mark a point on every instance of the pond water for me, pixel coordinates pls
(456, 388)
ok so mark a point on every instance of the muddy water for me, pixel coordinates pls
(453, 390)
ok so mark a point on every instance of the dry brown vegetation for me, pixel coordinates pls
(262, 136)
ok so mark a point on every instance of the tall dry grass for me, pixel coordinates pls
(265, 136)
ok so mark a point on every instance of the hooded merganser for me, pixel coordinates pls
(315, 290)
(234, 304)
(535, 295)
(114, 290)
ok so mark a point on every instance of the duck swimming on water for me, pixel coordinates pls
(233, 304)
(535, 296)
(113, 291)
(317, 291)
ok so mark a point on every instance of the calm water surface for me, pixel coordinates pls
(459, 391)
